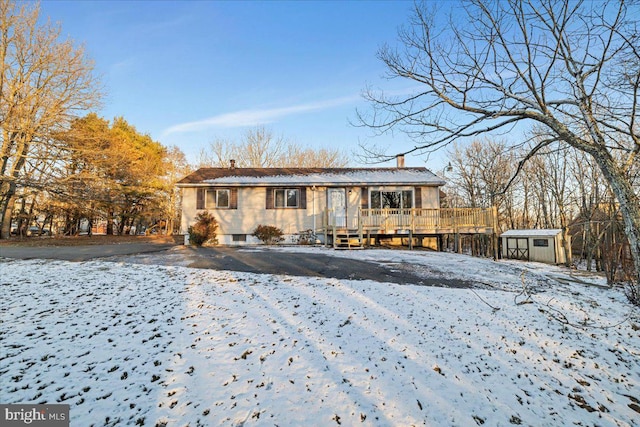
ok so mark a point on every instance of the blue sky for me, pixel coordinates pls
(191, 72)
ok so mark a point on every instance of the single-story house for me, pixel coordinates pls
(534, 245)
(338, 206)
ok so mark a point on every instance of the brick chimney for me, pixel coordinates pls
(233, 164)
(400, 161)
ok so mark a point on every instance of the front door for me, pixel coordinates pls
(337, 207)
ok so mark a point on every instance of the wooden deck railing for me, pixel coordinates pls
(419, 220)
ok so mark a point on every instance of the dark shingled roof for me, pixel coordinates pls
(209, 174)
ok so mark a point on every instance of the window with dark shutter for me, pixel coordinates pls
(286, 198)
(200, 198)
(233, 203)
(303, 198)
(393, 199)
(364, 198)
(269, 202)
(417, 194)
(216, 198)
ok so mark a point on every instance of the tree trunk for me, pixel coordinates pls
(110, 223)
(122, 224)
(6, 210)
(629, 207)
(21, 142)
(567, 246)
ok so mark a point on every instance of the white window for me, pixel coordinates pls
(286, 198)
(400, 199)
(217, 199)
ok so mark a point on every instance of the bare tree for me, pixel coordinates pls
(260, 148)
(481, 171)
(553, 187)
(44, 82)
(217, 154)
(300, 157)
(176, 168)
(572, 68)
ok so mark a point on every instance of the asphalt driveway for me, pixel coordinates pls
(82, 252)
(250, 260)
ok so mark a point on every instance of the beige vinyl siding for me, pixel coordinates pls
(430, 197)
(252, 211)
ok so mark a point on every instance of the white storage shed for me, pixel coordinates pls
(534, 245)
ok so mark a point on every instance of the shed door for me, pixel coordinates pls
(338, 206)
(518, 248)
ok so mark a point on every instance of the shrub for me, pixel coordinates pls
(268, 234)
(632, 291)
(204, 230)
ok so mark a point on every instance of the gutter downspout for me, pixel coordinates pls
(313, 191)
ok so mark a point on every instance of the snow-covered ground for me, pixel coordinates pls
(133, 344)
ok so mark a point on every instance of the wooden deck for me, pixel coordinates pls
(409, 223)
(428, 221)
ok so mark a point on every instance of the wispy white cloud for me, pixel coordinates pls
(254, 117)
(153, 27)
(123, 66)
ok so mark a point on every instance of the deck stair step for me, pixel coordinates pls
(347, 240)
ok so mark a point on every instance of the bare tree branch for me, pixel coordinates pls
(570, 68)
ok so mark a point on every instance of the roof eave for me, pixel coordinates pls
(306, 184)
